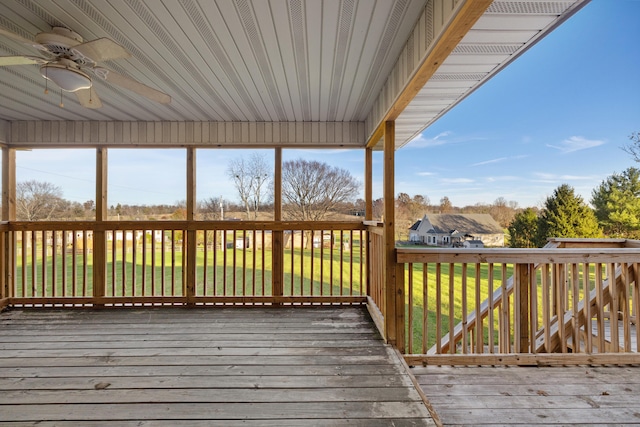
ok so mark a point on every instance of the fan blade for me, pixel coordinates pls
(101, 50)
(17, 37)
(132, 85)
(20, 60)
(88, 98)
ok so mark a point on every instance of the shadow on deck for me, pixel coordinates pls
(201, 367)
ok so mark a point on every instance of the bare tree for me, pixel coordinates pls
(502, 212)
(250, 177)
(38, 200)
(210, 208)
(634, 147)
(311, 190)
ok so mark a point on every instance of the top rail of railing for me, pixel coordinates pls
(184, 225)
(518, 255)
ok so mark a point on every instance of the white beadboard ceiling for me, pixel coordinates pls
(262, 60)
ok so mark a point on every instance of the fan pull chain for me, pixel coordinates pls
(46, 81)
(61, 104)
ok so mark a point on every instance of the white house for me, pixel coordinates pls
(457, 230)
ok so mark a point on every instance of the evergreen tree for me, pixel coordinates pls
(617, 204)
(523, 229)
(566, 215)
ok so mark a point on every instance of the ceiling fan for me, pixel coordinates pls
(68, 59)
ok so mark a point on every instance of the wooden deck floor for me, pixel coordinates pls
(201, 367)
(533, 396)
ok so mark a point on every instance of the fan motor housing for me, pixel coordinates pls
(60, 42)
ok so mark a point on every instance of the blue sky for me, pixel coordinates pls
(559, 114)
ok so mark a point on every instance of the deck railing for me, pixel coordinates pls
(184, 262)
(499, 306)
(463, 306)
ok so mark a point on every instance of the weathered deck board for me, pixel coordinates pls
(205, 366)
(564, 395)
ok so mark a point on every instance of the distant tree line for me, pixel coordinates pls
(316, 191)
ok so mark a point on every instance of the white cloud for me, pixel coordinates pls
(576, 143)
(488, 162)
(504, 178)
(426, 174)
(554, 177)
(457, 180)
(421, 141)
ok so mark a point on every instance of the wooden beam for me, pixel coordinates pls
(376, 136)
(463, 21)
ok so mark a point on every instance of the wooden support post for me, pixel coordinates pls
(368, 184)
(8, 184)
(191, 244)
(277, 237)
(99, 238)
(368, 212)
(8, 214)
(394, 286)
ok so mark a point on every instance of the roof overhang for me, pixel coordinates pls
(254, 73)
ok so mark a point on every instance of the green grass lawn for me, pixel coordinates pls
(305, 273)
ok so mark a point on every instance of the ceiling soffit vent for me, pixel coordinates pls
(530, 7)
(503, 49)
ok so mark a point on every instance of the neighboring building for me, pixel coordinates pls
(473, 244)
(457, 230)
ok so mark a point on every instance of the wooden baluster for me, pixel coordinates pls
(425, 307)
(575, 320)
(586, 291)
(615, 304)
(490, 303)
(465, 330)
(410, 307)
(452, 343)
(600, 308)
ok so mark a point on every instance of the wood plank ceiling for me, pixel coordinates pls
(275, 61)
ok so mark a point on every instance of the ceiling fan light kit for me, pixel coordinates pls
(69, 79)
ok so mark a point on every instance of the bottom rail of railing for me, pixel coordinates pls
(180, 300)
(523, 359)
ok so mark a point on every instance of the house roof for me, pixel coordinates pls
(415, 225)
(265, 73)
(475, 242)
(471, 224)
